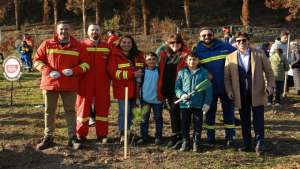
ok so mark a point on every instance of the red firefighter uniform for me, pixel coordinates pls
(94, 88)
(121, 70)
(52, 56)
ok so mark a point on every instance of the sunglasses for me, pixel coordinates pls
(208, 35)
(241, 40)
(150, 59)
(173, 42)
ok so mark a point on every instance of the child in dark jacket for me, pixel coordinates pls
(194, 105)
(149, 98)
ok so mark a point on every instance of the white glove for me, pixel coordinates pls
(184, 97)
(54, 74)
(67, 72)
(205, 108)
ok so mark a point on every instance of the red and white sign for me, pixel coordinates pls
(12, 67)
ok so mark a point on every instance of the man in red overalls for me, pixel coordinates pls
(94, 87)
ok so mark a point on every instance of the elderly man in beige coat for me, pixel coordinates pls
(246, 71)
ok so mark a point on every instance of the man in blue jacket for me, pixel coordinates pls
(212, 53)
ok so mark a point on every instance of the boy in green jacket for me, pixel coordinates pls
(196, 104)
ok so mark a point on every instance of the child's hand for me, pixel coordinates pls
(205, 108)
(184, 97)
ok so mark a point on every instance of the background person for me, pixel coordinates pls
(25, 52)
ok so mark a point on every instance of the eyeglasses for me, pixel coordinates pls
(241, 40)
(173, 42)
(208, 35)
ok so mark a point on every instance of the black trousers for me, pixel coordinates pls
(174, 114)
(258, 121)
(186, 115)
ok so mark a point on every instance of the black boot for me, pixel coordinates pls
(178, 141)
(74, 143)
(246, 148)
(45, 143)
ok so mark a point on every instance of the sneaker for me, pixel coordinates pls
(158, 141)
(74, 143)
(142, 141)
(102, 139)
(269, 104)
(195, 147)
(45, 143)
(172, 142)
(177, 144)
(92, 122)
(184, 146)
(229, 143)
(277, 104)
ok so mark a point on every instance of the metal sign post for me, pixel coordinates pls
(12, 72)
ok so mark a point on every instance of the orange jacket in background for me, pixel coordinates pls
(121, 71)
(52, 56)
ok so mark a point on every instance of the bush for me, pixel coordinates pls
(113, 23)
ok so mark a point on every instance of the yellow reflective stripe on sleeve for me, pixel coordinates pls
(214, 58)
(82, 120)
(84, 66)
(97, 49)
(65, 52)
(211, 127)
(123, 65)
(229, 126)
(125, 74)
(139, 64)
(118, 74)
(101, 118)
(38, 65)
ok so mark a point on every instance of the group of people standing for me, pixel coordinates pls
(81, 74)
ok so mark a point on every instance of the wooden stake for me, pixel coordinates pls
(286, 73)
(126, 122)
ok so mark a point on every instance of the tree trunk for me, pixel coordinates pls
(132, 12)
(83, 18)
(245, 18)
(146, 13)
(98, 12)
(46, 12)
(17, 17)
(55, 12)
(187, 12)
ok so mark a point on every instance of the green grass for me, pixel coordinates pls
(21, 126)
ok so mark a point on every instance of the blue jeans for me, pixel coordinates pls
(121, 117)
(157, 110)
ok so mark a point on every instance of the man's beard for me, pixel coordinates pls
(95, 37)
